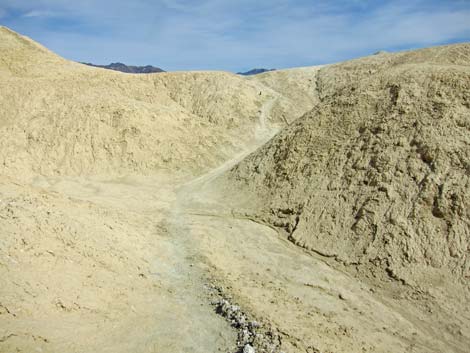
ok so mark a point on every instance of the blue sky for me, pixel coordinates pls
(234, 35)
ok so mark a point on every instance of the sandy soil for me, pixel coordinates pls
(125, 280)
(110, 265)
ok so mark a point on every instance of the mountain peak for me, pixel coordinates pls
(254, 72)
(118, 66)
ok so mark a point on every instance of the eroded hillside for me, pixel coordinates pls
(378, 171)
(60, 117)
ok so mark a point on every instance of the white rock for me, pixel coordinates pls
(248, 349)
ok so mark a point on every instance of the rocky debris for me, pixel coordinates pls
(248, 349)
(252, 335)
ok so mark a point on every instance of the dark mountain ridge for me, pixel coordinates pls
(148, 69)
(254, 72)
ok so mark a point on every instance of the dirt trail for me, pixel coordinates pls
(182, 317)
(263, 132)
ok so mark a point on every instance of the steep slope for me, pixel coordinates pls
(20, 55)
(377, 174)
(298, 85)
(371, 186)
(57, 120)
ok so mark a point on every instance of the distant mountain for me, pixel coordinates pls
(254, 72)
(148, 69)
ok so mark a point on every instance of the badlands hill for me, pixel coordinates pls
(320, 209)
(378, 173)
(376, 176)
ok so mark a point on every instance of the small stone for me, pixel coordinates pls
(248, 349)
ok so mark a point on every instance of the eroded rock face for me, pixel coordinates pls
(378, 173)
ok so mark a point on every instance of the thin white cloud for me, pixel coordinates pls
(221, 34)
(40, 13)
(175, 5)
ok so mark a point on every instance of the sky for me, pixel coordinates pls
(234, 35)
